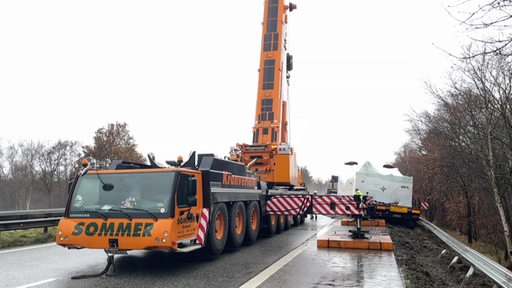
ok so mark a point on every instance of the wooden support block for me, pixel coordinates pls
(386, 243)
(322, 242)
(357, 244)
(374, 243)
(367, 223)
(347, 222)
(336, 238)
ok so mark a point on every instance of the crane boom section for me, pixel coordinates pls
(271, 122)
(270, 155)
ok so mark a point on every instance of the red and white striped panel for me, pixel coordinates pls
(342, 205)
(369, 201)
(203, 225)
(288, 204)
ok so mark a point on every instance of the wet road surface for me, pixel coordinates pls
(336, 267)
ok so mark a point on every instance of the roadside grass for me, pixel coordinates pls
(17, 238)
(491, 251)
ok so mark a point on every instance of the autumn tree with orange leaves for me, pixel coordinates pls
(111, 143)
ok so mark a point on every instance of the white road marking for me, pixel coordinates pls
(37, 283)
(265, 274)
(325, 229)
(26, 248)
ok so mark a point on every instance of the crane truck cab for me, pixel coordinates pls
(132, 206)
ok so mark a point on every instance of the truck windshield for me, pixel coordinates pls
(136, 193)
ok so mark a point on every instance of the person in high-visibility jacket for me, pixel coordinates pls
(358, 197)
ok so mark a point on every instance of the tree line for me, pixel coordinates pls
(35, 175)
(460, 153)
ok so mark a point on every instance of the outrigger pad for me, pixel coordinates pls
(359, 234)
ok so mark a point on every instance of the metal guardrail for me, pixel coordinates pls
(499, 274)
(26, 219)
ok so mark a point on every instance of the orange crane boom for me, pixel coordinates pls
(270, 155)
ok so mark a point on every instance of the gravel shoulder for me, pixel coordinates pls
(418, 254)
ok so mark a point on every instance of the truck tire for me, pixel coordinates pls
(253, 222)
(410, 223)
(271, 224)
(237, 224)
(217, 229)
(302, 219)
(296, 220)
(281, 221)
(288, 222)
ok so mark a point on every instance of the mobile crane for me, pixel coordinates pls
(206, 202)
(270, 155)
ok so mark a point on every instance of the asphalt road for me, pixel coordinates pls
(289, 259)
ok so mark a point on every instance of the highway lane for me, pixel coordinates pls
(290, 259)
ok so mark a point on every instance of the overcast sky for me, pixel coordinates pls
(183, 74)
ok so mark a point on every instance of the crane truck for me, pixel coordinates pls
(207, 202)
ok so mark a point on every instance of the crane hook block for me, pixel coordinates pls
(292, 7)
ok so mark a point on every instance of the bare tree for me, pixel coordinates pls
(468, 140)
(488, 22)
(71, 162)
(477, 116)
(21, 172)
(114, 142)
(2, 166)
(52, 165)
(419, 158)
(491, 79)
(5, 201)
